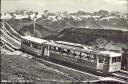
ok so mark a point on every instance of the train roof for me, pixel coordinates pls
(82, 49)
(71, 47)
(69, 43)
(34, 39)
(109, 53)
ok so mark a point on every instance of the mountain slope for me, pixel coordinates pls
(115, 39)
(40, 31)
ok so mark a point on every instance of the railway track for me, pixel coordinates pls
(8, 42)
(121, 74)
(12, 32)
(9, 47)
(9, 38)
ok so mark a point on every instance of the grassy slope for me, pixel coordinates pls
(86, 36)
(18, 24)
(16, 66)
(40, 31)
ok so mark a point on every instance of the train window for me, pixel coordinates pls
(113, 59)
(86, 56)
(62, 50)
(31, 44)
(80, 54)
(93, 58)
(101, 59)
(77, 53)
(83, 54)
(74, 54)
(24, 41)
(71, 51)
(52, 48)
(68, 51)
(28, 43)
(56, 48)
(118, 59)
(34, 45)
(107, 60)
(65, 50)
(39, 47)
(59, 49)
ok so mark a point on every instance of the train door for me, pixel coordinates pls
(115, 64)
(118, 61)
(100, 62)
(46, 50)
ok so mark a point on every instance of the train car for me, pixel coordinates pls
(33, 45)
(108, 61)
(77, 54)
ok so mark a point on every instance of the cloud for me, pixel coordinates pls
(117, 1)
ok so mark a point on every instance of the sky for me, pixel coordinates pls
(64, 5)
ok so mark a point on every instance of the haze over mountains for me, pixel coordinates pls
(60, 20)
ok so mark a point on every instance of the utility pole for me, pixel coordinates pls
(3, 23)
(35, 17)
(34, 23)
(34, 26)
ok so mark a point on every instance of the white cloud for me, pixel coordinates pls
(117, 1)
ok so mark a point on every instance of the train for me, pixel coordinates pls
(73, 53)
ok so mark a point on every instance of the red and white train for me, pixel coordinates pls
(77, 54)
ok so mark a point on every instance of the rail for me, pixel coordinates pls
(121, 74)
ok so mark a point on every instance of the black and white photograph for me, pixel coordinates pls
(64, 42)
